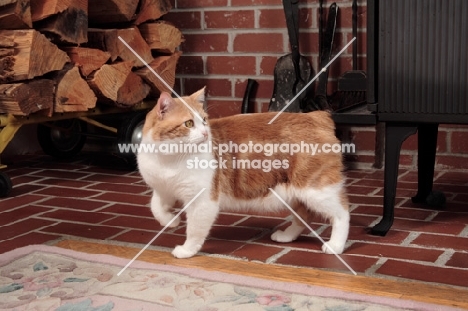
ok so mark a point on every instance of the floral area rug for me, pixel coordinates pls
(43, 277)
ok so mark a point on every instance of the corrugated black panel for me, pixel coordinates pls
(422, 56)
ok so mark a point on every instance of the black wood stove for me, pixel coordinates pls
(417, 54)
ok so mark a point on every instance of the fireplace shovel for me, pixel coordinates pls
(292, 71)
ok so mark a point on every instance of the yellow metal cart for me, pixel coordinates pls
(63, 135)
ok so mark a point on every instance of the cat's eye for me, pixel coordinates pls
(189, 123)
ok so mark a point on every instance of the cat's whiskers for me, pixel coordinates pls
(209, 108)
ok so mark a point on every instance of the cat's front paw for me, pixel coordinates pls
(332, 248)
(181, 251)
(165, 219)
(282, 237)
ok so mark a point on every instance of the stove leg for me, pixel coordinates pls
(427, 146)
(395, 135)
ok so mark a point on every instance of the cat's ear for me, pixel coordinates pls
(164, 104)
(199, 96)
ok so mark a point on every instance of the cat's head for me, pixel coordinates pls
(171, 120)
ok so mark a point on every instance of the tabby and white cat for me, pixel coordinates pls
(308, 183)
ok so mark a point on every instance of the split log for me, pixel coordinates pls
(72, 92)
(116, 84)
(6, 41)
(32, 55)
(15, 14)
(28, 97)
(41, 9)
(151, 10)
(87, 59)
(69, 25)
(111, 11)
(161, 36)
(108, 40)
(165, 67)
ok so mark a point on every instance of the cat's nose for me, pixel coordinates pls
(205, 133)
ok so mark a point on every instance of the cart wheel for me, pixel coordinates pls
(62, 139)
(130, 132)
(5, 185)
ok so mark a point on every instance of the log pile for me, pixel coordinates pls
(67, 55)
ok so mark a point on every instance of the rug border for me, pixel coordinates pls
(65, 248)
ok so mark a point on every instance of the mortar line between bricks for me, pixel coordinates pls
(257, 13)
(109, 204)
(372, 270)
(38, 173)
(400, 245)
(464, 232)
(400, 260)
(45, 186)
(109, 175)
(431, 216)
(40, 214)
(112, 237)
(76, 222)
(374, 193)
(20, 235)
(102, 223)
(352, 207)
(45, 197)
(424, 263)
(153, 231)
(274, 258)
(240, 220)
(372, 224)
(98, 192)
(349, 243)
(258, 236)
(444, 257)
(230, 43)
(439, 233)
(92, 183)
(410, 238)
(402, 202)
(93, 197)
(36, 230)
(76, 209)
(317, 251)
(28, 183)
(290, 247)
(319, 231)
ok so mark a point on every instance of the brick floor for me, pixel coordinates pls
(91, 198)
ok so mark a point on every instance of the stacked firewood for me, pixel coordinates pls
(66, 55)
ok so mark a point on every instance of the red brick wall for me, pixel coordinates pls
(229, 41)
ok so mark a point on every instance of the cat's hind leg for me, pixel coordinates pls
(200, 219)
(332, 203)
(292, 232)
(160, 207)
